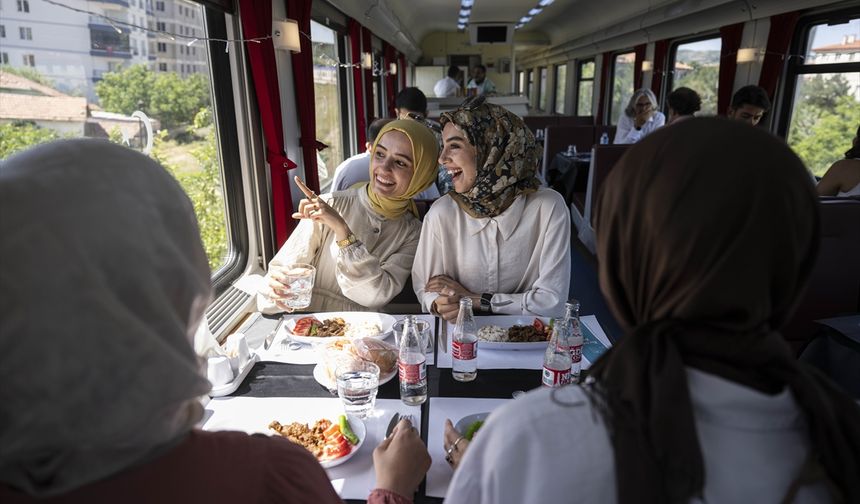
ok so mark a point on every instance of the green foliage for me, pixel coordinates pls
(163, 96)
(203, 118)
(27, 73)
(622, 89)
(703, 80)
(19, 136)
(820, 136)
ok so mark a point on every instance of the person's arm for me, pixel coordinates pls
(427, 261)
(369, 280)
(548, 294)
(831, 183)
(625, 133)
(301, 247)
(400, 462)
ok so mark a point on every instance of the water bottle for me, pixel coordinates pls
(604, 138)
(464, 344)
(412, 365)
(556, 360)
(576, 340)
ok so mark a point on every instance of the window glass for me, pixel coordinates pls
(697, 66)
(542, 90)
(585, 89)
(560, 87)
(327, 97)
(521, 81)
(110, 92)
(824, 117)
(622, 84)
(530, 85)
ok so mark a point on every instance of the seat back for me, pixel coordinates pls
(576, 120)
(535, 123)
(559, 137)
(603, 158)
(834, 286)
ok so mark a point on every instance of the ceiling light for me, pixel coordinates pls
(465, 12)
(544, 3)
(461, 26)
(525, 19)
(647, 66)
(746, 55)
(466, 3)
(535, 11)
(463, 20)
(517, 26)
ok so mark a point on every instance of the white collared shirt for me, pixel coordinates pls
(627, 132)
(446, 87)
(522, 256)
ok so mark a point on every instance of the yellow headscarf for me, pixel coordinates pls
(425, 153)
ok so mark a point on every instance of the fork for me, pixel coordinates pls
(288, 344)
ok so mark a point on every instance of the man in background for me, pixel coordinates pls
(410, 101)
(480, 83)
(749, 104)
(448, 85)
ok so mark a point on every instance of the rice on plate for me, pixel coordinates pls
(492, 333)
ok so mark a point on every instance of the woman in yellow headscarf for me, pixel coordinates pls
(362, 241)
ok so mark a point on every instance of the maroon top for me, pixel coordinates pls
(213, 468)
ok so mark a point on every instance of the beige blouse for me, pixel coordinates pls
(522, 256)
(363, 276)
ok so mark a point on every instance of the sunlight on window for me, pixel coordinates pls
(697, 66)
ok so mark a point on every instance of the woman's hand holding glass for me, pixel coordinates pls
(314, 208)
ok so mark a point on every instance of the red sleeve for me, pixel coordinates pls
(382, 496)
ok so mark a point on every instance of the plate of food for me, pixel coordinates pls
(514, 333)
(469, 425)
(331, 440)
(316, 328)
(343, 350)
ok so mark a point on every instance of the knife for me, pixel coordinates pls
(392, 424)
(271, 337)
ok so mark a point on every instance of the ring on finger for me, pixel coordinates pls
(454, 446)
(449, 459)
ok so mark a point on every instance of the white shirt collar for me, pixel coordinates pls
(507, 221)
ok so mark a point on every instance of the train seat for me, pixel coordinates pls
(603, 158)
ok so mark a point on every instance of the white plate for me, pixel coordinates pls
(505, 322)
(463, 423)
(322, 378)
(360, 432)
(385, 322)
(231, 387)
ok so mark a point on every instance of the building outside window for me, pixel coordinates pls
(4, 58)
(26, 33)
(327, 89)
(23, 6)
(29, 60)
(2, 31)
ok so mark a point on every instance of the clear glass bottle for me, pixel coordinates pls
(604, 138)
(412, 365)
(464, 343)
(576, 340)
(556, 360)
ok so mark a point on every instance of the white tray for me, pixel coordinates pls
(231, 387)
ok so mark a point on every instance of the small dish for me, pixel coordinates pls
(464, 423)
(360, 432)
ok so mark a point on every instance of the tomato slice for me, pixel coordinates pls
(539, 325)
(305, 325)
(333, 451)
(332, 430)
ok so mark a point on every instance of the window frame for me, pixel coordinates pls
(611, 83)
(579, 79)
(672, 56)
(795, 66)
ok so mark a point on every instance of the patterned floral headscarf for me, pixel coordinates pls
(507, 157)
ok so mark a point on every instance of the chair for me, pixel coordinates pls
(603, 159)
(535, 123)
(834, 286)
(559, 137)
(576, 121)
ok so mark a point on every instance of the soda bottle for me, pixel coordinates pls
(464, 344)
(576, 340)
(556, 360)
(412, 365)
(604, 138)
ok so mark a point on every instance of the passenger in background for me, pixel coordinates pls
(448, 85)
(362, 241)
(100, 398)
(703, 400)
(749, 104)
(843, 177)
(498, 237)
(683, 104)
(480, 84)
(357, 168)
(640, 118)
(410, 101)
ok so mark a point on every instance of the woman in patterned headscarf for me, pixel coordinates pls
(498, 237)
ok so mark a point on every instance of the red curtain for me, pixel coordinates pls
(778, 41)
(731, 42)
(402, 71)
(303, 78)
(360, 119)
(658, 73)
(388, 51)
(604, 86)
(366, 46)
(257, 22)
(639, 51)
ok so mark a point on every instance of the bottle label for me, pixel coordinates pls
(462, 350)
(555, 377)
(412, 373)
(576, 353)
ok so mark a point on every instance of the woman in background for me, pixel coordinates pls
(640, 118)
(843, 178)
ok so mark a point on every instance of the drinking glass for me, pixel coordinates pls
(357, 384)
(300, 278)
(423, 332)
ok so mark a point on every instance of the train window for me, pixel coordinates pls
(327, 88)
(140, 101)
(542, 90)
(530, 85)
(622, 84)
(521, 82)
(696, 65)
(825, 81)
(560, 86)
(585, 88)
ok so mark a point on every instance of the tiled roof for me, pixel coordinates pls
(23, 99)
(846, 47)
(12, 81)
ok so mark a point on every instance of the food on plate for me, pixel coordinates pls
(306, 326)
(326, 440)
(536, 332)
(472, 429)
(363, 328)
(311, 326)
(343, 351)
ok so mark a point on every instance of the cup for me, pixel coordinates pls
(219, 371)
(237, 351)
(423, 328)
(299, 277)
(357, 384)
(571, 150)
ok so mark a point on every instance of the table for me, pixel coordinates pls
(569, 174)
(283, 385)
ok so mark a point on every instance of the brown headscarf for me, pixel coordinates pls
(706, 234)
(507, 157)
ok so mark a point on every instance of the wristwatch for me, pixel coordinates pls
(346, 242)
(485, 302)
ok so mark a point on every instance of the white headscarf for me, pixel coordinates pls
(103, 281)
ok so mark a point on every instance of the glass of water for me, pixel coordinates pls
(300, 278)
(357, 384)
